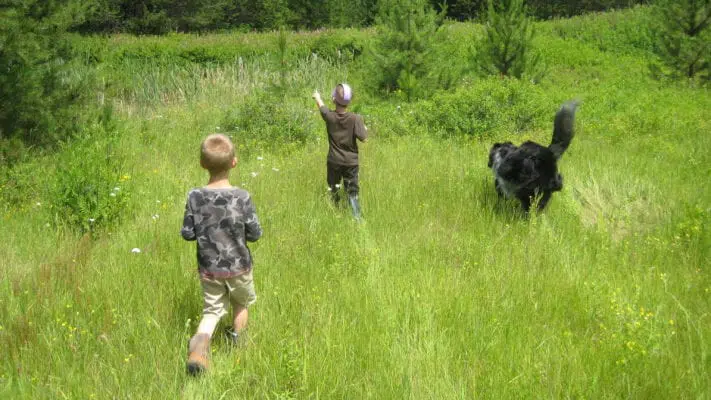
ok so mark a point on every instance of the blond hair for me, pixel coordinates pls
(217, 153)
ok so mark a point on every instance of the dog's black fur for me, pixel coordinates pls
(531, 170)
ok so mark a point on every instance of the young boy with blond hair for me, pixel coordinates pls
(221, 218)
(343, 128)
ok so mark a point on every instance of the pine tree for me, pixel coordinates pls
(685, 37)
(508, 46)
(407, 30)
(38, 101)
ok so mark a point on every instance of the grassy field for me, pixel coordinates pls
(443, 292)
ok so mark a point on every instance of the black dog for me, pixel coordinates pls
(531, 170)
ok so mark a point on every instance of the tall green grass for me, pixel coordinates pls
(444, 291)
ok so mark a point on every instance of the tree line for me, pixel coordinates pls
(45, 85)
(163, 16)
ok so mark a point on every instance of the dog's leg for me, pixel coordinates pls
(498, 188)
(544, 200)
(525, 203)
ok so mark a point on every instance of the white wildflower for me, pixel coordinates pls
(260, 158)
(254, 174)
(155, 216)
(38, 204)
(91, 220)
(135, 250)
(112, 194)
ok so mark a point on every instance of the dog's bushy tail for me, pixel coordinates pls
(563, 128)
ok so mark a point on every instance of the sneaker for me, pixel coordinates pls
(232, 337)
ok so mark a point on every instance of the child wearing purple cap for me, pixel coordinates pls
(343, 129)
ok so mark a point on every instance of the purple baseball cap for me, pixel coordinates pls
(347, 94)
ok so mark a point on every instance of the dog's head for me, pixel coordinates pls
(499, 151)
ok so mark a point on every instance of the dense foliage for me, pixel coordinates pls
(41, 88)
(685, 37)
(162, 16)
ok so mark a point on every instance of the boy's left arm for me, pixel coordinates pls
(361, 131)
(252, 228)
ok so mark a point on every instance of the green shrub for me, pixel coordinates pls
(90, 191)
(265, 118)
(491, 106)
(341, 45)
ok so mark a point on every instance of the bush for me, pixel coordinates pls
(342, 45)
(265, 118)
(90, 191)
(493, 106)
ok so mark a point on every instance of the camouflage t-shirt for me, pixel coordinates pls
(222, 221)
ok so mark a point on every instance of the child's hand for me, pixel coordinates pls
(317, 97)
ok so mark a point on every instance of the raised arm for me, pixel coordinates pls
(317, 97)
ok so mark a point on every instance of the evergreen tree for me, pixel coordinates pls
(351, 13)
(463, 10)
(39, 102)
(102, 16)
(507, 48)
(406, 32)
(685, 37)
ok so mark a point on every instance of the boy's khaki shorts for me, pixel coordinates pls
(218, 292)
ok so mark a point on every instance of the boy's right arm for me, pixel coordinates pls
(188, 230)
(317, 96)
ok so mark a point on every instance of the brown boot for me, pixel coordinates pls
(198, 353)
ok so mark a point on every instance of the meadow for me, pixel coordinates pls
(443, 292)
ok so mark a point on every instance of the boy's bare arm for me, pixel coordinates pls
(317, 96)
